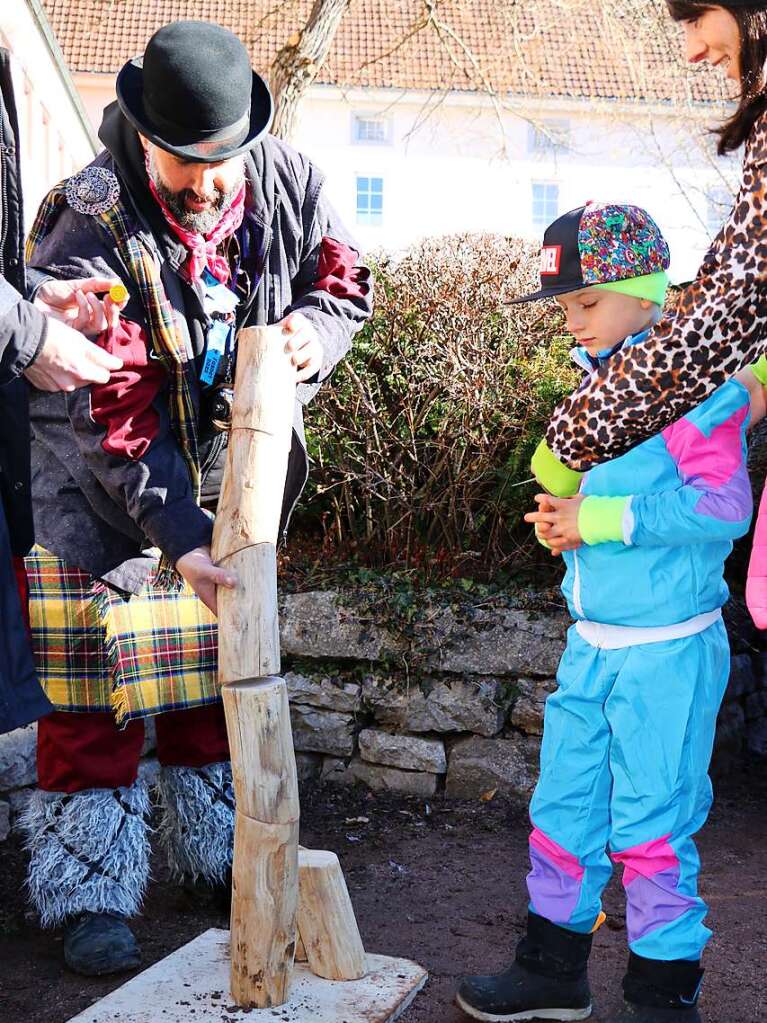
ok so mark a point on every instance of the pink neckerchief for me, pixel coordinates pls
(203, 251)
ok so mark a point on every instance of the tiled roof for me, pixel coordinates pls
(602, 49)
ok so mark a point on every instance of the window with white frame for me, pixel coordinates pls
(545, 138)
(369, 200)
(367, 129)
(545, 203)
(718, 205)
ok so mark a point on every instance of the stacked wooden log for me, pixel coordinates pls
(267, 913)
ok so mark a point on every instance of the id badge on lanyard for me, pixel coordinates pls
(219, 339)
(219, 303)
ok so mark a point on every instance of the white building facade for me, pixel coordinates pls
(398, 171)
(56, 133)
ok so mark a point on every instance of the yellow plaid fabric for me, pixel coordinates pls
(98, 649)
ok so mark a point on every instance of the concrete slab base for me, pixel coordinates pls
(192, 986)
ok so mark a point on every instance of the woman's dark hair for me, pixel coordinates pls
(752, 24)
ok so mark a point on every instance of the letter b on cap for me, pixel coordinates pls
(551, 256)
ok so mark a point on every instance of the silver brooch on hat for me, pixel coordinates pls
(93, 190)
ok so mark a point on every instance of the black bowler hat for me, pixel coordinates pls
(194, 94)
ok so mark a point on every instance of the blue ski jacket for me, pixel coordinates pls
(658, 522)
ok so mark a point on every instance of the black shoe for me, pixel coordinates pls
(222, 895)
(548, 980)
(660, 991)
(217, 894)
(100, 943)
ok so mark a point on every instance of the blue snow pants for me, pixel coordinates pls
(626, 746)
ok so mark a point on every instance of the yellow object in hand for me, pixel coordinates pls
(539, 537)
(118, 293)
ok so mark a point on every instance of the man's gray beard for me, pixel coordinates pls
(202, 222)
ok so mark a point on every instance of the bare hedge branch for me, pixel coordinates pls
(428, 424)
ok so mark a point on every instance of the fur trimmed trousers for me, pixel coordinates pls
(87, 825)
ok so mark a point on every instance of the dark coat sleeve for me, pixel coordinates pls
(22, 333)
(22, 699)
(122, 429)
(333, 289)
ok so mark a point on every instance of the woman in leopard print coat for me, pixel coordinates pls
(720, 322)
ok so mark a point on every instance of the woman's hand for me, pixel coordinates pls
(556, 521)
(68, 360)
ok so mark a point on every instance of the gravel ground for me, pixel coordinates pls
(442, 883)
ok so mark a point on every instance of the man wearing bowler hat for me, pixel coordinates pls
(213, 225)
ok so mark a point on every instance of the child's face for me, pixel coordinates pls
(599, 319)
(714, 37)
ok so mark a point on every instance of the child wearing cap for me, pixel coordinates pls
(629, 732)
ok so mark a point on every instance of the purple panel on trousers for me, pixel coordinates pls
(553, 893)
(654, 901)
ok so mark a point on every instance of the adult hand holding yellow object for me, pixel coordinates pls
(77, 304)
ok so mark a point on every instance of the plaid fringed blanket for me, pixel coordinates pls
(98, 649)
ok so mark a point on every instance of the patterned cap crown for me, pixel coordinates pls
(599, 243)
(618, 242)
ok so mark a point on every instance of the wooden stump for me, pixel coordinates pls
(326, 918)
(264, 897)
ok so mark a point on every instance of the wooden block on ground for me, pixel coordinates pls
(326, 918)
(192, 984)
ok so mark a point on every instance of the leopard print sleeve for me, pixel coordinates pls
(718, 326)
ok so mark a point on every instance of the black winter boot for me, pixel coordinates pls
(100, 943)
(547, 980)
(658, 991)
(216, 893)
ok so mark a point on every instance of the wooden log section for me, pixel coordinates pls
(261, 747)
(264, 897)
(300, 956)
(252, 489)
(265, 868)
(326, 918)
(249, 643)
(248, 515)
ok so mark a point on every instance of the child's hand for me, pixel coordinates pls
(556, 521)
(542, 529)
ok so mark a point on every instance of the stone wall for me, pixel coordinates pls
(468, 719)
(454, 705)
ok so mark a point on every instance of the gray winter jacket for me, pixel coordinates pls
(109, 478)
(22, 333)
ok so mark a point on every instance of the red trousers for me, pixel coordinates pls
(89, 751)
